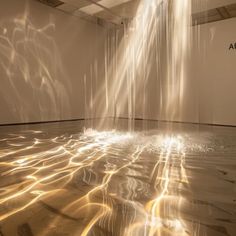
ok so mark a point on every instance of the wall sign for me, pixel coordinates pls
(232, 46)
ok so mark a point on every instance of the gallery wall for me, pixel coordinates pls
(50, 63)
(213, 67)
(208, 87)
(52, 67)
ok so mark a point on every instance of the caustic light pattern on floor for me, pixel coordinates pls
(90, 182)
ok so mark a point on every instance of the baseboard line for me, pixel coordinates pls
(176, 122)
(119, 118)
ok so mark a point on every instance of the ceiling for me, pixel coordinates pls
(118, 11)
(214, 14)
(99, 11)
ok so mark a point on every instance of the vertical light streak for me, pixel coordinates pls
(130, 61)
(178, 37)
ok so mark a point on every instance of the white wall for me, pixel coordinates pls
(47, 58)
(209, 86)
(215, 72)
(52, 68)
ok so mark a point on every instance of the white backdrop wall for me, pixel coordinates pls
(214, 70)
(209, 86)
(48, 59)
(52, 68)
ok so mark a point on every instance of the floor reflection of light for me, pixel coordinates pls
(156, 224)
(47, 171)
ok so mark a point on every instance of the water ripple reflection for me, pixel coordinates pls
(118, 183)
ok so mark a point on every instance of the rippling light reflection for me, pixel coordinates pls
(93, 172)
(159, 225)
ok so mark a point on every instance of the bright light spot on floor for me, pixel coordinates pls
(107, 136)
(173, 142)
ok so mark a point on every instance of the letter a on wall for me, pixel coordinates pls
(231, 46)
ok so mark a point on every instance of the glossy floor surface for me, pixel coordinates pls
(160, 179)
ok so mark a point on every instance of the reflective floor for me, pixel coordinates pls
(169, 180)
